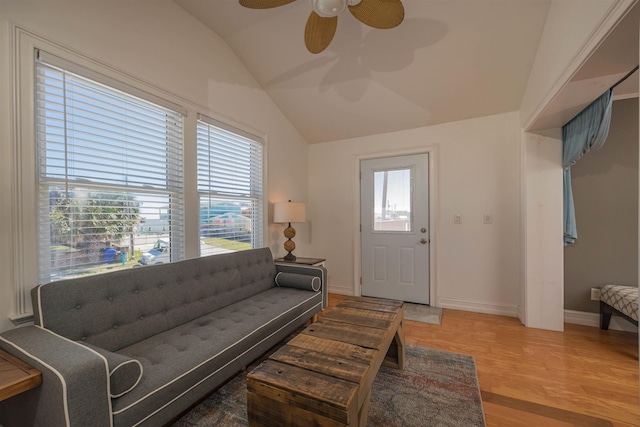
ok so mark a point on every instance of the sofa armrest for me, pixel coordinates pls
(74, 389)
(309, 270)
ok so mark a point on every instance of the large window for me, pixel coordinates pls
(229, 188)
(110, 179)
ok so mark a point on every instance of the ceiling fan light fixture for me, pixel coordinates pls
(329, 8)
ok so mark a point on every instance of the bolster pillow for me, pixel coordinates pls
(124, 372)
(299, 281)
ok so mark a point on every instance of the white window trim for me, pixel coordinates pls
(24, 190)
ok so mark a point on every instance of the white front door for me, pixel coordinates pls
(394, 220)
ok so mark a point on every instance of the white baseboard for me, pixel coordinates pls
(570, 316)
(593, 319)
(479, 307)
(341, 290)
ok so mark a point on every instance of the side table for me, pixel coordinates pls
(316, 262)
(16, 376)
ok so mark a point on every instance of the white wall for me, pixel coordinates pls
(478, 165)
(160, 44)
(543, 297)
(572, 30)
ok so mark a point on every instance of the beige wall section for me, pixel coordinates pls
(478, 166)
(605, 190)
(159, 43)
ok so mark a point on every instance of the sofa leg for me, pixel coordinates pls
(605, 315)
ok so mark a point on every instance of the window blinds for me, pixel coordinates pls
(230, 187)
(108, 162)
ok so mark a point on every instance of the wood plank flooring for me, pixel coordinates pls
(530, 377)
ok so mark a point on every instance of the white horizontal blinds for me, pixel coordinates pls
(107, 163)
(73, 68)
(230, 187)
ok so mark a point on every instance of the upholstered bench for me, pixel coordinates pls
(619, 300)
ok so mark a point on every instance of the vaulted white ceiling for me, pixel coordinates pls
(449, 60)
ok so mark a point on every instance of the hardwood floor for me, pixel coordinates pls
(530, 377)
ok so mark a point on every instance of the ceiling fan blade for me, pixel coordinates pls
(381, 14)
(264, 4)
(319, 32)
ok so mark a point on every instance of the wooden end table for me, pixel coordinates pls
(323, 376)
(316, 262)
(16, 376)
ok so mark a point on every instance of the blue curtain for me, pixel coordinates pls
(588, 130)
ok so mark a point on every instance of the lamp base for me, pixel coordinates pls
(289, 245)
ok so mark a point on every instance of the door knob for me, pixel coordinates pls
(423, 241)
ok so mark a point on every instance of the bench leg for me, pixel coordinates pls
(605, 315)
(395, 354)
(364, 411)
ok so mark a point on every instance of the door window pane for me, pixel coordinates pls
(392, 200)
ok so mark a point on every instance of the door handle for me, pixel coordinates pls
(423, 241)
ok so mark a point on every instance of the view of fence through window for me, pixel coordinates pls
(392, 200)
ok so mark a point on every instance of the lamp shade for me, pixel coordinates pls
(289, 212)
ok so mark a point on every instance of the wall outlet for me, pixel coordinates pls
(488, 219)
(595, 294)
(457, 219)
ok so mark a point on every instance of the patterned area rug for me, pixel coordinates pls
(437, 388)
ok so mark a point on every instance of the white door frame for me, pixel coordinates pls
(432, 150)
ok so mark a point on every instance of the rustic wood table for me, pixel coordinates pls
(323, 376)
(16, 376)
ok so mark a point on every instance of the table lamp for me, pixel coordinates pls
(288, 212)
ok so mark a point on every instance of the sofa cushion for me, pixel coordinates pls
(124, 372)
(298, 281)
(117, 309)
(200, 352)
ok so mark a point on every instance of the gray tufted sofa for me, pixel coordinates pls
(141, 346)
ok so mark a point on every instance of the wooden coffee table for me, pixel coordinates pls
(323, 376)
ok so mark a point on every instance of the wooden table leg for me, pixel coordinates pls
(364, 411)
(399, 339)
(395, 354)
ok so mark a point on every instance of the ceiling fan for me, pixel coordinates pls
(323, 21)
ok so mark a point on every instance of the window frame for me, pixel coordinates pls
(22, 214)
(55, 80)
(256, 197)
